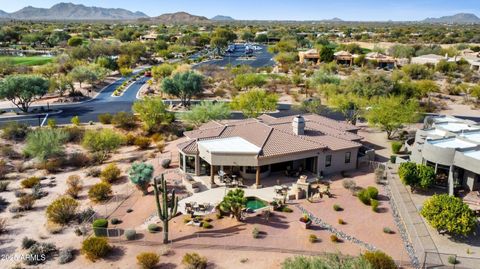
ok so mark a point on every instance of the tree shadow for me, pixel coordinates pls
(222, 233)
(116, 254)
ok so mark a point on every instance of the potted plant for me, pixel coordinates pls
(305, 221)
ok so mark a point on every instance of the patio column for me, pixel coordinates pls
(450, 181)
(212, 175)
(257, 178)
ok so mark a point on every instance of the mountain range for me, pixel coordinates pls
(69, 11)
(178, 17)
(222, 18)
(460, 18)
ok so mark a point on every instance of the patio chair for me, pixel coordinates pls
(202, 208)
(188, 206)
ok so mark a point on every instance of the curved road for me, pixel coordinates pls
(89, 110)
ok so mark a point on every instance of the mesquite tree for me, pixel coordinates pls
(167, 209)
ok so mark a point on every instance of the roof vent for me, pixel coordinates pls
(298, 125)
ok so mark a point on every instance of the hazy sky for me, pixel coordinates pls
(281, 9)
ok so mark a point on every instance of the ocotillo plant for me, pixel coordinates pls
(164, 213)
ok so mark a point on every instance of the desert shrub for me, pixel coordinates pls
(103, 141)
(4, 186)
(15, 131)
(374, 203)
(148, 260)
(115, 221)
(207, 225)
(105, 118)
(396, 146)
(364, 197)
(379, 260)
(95, 248)
(334, 238)
(26, 202)
(130, 139)
(141, 174)
(51, 165)
(62, 210)
(53, 227)
(286, 209)
(65, 256)
(45, 143)
(166, 163)
(349, 184)
(160, 146)
(142, 142)
(194, 261)
(387, 230)
(337, 207)
(85, 215)
(28, 183)
(110, 173)
(326, 262)
(452, 260)
(74, 134)
(75, 120)
(124, 120)
(78, 160)
(416, 176)
(153, 228)
(341, 222)
(28, 242)
(38, 193)
(3, 204)
(100, 192)
(46, 250)
(379, 172)
(255, 232)
(100, 227)
(312, 238)
(74, 186)
(130, 234)
(93, 172)
(393, 158)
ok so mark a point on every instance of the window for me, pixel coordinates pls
(180, 161)
(328, 160)
(348, 157)
(190, 164)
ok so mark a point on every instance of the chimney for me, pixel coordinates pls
(298, 125)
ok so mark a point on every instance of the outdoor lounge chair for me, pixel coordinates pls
(188, 207)
(202, 208)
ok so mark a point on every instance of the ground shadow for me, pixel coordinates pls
(116, 253)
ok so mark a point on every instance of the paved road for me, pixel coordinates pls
(262, 58)
(89, 110)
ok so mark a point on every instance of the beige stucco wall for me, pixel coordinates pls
(338, 161)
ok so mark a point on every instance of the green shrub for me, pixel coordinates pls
(153, 228)
(75, 120)
(141, 175)
(110, 173)
(46, 250)
(124, 120)
(337, 207)
(115, 221)
(387, 230)
(379, 260)
(62, 210)
(374, 203)
(100, 227)
(28, 242)
(326, 261)
(341, 222)
(103, 141)
(312, 238)
(449, 214)
(452, 260)
(79, 160)
(194, 261)
(148, 260)
(26, 202)
(28, 183)
(95, 248)
(255, 232)
(396, 146)
(393, 158)
(130, 235)
(105, 118)
(45, 143)
(286, 209)
(75, 185)
(100, 192)
(130, 139)
(142, 142)
(372, 192)
(15, 131)
(364, 197)
(207, 225)
(4, 186)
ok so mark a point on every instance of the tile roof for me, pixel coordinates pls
(275, 135)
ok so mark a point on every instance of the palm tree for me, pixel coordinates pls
(234, 202)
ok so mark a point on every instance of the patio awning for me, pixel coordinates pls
(230, 145)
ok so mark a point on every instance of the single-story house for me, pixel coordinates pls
(432, 59)
(309, 55)
(254, 148)
(381, 60)
(343, 57)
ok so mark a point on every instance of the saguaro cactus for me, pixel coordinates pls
(164, 212)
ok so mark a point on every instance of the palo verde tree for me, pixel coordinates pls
(23, 90)
(254, 102)
(141, 174)
(167, 207)
(183, 85)
(205, 112)
(152, 111)
(45, 143)
(350, 105)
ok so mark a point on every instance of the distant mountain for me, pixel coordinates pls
(179, 17)
(460, 18)
(336, 19)
(222, 18)
(69, 11)
(3, 14)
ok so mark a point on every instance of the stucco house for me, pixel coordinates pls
(452, 146)
(254, 148)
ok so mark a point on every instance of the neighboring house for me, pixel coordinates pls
(254, 148)
(452, 146)
(149, 37)
(344, 57)
(309, 55)
(381, 60)
(432, 59)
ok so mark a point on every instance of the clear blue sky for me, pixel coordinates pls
(365, 10)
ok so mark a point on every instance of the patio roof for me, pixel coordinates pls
(230, 145)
